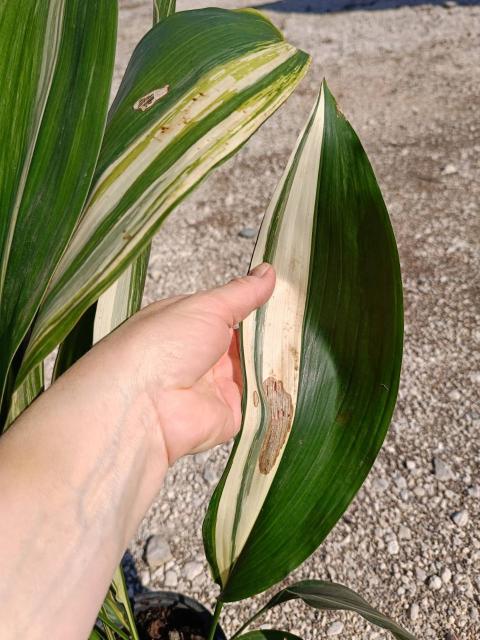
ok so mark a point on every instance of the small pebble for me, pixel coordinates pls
(404, 533)
(335, 628)
(192, 570)
(446, 575)
(434, 583)
(247, 232)
(210, 476)
(414, 611)
(381, 484)
(420, 574)
(393, 547)
(157, 552)
(460, 518)
(171, 579)
(455, 395)
(474, 491)
(442, 470)
(449, 169)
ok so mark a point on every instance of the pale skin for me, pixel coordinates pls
(81, 466)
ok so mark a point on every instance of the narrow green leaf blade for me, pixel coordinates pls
(174, 119)
(332, 596)
(321, 362)
(56, 63)
(162, 9)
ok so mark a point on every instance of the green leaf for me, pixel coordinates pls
(268, 634)
(116, 613)
(56, 63)
(321, 362)
(330, 596)
(197, 87)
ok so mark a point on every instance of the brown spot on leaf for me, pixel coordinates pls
(147, 102)
(280, 415)
(255, 398)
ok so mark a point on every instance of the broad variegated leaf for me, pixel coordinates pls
(56, 63)
(123, 298)
(327, 596)
(26, 393)
(321, 362)
(197, 87)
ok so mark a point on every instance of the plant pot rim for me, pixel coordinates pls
(177, 600)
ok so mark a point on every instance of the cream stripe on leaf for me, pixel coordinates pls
(193, 115)
(56, 66)
(321, 362)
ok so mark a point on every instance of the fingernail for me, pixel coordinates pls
(260, 270)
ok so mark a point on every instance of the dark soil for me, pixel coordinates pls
(171, 623)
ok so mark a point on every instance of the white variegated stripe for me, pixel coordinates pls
(113, 305)
(203, 99)
(53, 34)
(272, 340)
(26, 393)
(200, 158)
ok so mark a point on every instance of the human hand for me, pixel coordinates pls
(164, 384)
(183, 355)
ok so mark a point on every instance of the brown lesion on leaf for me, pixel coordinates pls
(147, 101)
(126, 235)
(280, 415)
(256, 399)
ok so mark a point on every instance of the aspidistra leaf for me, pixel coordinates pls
(321, 362)
(197, 87)
(330, 596)
(56, 66)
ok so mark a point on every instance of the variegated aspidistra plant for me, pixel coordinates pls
(84, 188)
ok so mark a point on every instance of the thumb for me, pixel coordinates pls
(238, 298)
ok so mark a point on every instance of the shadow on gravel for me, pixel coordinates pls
(329, 6)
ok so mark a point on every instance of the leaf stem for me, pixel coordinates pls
(216, 616)
(248, 622)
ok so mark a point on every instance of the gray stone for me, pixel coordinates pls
(420, 574)
(474, 491)
(157, 552)
(381, 484)
(171, 579)
(414, 611)
(335, 629)
(434, 583)
(449, 169)
(442, 470)
(460, 518)
(210, 476)
(393, 547)
(404, 533)
(192, 570)
(247, 232)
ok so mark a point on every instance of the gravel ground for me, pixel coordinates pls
(407, 77)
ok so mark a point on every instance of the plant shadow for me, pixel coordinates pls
(330, 6)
